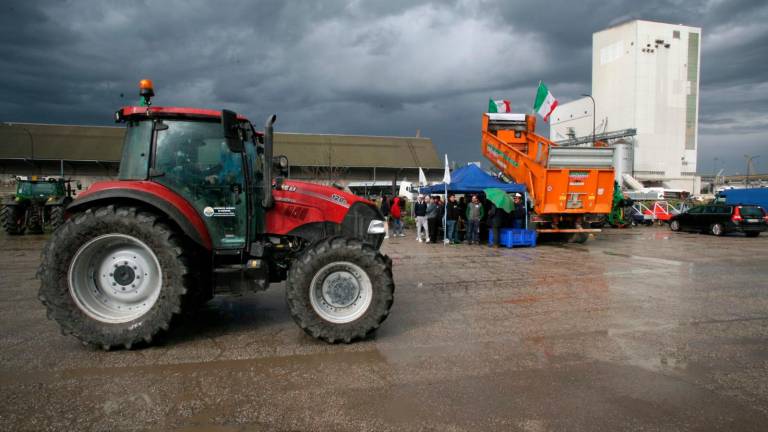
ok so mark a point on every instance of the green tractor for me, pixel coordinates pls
(38, 201)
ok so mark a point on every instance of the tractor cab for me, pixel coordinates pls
(187, 151)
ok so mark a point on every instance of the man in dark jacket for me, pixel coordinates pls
(497, 218)
(453, 212)
(420, 211)
(518, 213)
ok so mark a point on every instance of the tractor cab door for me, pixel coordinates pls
(192, 158)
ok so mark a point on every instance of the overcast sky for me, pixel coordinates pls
(388, 67)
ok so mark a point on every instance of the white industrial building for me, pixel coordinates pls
(645, 76)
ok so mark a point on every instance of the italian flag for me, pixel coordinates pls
(499, 106)
(545, 102)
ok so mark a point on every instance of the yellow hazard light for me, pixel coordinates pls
(145, 84)
(146, 91)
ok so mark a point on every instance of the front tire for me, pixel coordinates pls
(114, 276)
(579, 238)
(57, 217)
(340, 290)
(34, 220)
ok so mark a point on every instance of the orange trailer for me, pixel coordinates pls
(568, 186)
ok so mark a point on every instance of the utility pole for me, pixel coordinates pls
(593, 117)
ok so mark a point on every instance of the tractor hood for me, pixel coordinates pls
(328, 197)
(314, 212)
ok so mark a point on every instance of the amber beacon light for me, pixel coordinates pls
(146, 91)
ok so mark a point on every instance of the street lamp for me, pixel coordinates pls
(593, 117)
(749, 162)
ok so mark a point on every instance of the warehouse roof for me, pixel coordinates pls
(104, 144)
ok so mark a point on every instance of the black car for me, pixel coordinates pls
(720, 219)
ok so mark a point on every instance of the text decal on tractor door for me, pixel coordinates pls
(219, 211)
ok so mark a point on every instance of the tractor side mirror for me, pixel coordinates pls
(281, 165)
(230, 129)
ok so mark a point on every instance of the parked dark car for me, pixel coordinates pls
(720, 219)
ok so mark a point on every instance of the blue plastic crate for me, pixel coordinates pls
(511, 237)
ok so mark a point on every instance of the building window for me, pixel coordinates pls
(676, 34)
(692, 98)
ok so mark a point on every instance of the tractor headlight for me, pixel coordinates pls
(376, 227)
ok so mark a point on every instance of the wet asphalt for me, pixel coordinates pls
(639, 329)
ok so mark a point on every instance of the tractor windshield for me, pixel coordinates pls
(39, 189)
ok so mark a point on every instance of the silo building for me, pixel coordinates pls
(645, 76)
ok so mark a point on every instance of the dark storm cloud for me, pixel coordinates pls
(366, 67)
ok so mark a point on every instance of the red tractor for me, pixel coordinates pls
(197, 212)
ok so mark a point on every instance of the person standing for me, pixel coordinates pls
(518, 213)
(394, 211)
(420, 211)
(453, 211)
(433, 211)
(385, 212)
(461, 225)
(497, 218)
(475, 214)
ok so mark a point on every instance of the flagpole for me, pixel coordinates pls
(446, 180)
(445, 217)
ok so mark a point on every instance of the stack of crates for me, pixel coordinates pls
(511, 237)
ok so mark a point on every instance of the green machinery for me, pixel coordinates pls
(38, 201)
(618, 218)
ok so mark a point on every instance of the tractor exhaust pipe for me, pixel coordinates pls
(268, 151)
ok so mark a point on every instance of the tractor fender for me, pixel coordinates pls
(10, 202)
(148, 194)
(62, 201)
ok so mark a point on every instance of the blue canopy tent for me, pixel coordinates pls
(471, 178)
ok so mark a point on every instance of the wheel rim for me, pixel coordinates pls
(341, 292)
(717, 230)
(115, 278)
(675, 225)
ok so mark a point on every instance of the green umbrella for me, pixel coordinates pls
(500, 199)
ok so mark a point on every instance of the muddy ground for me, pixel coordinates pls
(638, 329)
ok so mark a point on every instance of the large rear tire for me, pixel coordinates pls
(13, 219)
(114, 276)
(340, 290)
